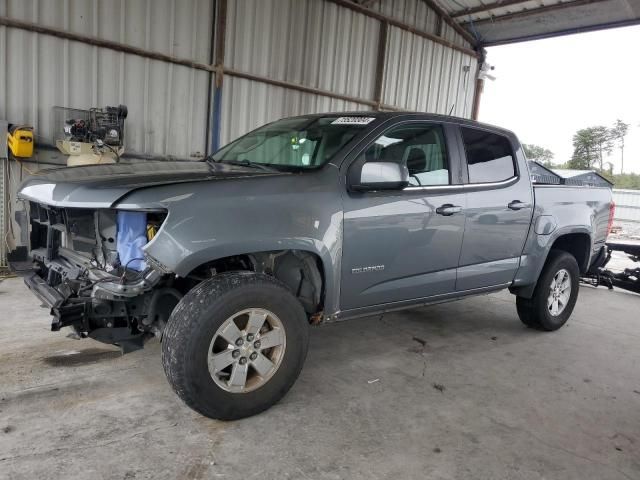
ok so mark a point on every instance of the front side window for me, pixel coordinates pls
(301, 143)
(421, 147)
(489, 156)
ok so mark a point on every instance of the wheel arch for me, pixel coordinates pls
(577, 244)
(576, 241)
(306, 271)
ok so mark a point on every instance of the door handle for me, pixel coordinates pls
(518, 205)
(448, 209)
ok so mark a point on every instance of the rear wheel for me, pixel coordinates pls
(555, 294)
(235, 345)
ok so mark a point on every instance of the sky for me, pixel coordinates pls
(546, 90)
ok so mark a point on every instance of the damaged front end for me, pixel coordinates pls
(90, 269)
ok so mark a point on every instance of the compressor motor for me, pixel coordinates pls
(105, 124)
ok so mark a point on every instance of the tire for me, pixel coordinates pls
(535, 311)
(193, 331)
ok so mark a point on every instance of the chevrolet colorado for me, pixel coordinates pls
(305, 220)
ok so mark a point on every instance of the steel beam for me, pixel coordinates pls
(380, 63)
(218, 60)
(450, 21)
(298, 87)
(403, 26)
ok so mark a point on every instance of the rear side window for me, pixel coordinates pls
(489, 156)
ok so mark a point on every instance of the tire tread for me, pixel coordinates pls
(189, 317)
(532, 311)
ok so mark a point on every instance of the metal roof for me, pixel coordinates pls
(495, 22)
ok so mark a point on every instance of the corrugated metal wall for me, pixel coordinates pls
(325, 46)
(167, 102)
(248, 104)
(425, 76)
(312, 43)
(627, 204)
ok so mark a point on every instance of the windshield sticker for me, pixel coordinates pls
(353, 121)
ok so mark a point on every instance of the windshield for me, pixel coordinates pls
(303, 142)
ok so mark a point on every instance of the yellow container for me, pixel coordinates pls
(20, 141)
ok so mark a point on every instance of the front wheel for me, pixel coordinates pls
(235, 345)
(555, 294)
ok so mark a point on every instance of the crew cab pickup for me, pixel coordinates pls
(305, 220)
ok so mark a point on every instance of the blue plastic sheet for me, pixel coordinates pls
(132, 236)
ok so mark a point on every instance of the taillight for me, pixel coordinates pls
(612, 212)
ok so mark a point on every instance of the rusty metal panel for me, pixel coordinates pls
(247, 104)
(312, 43)
(167, 103)
(425, 76)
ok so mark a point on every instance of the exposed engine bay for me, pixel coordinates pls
(92, 272)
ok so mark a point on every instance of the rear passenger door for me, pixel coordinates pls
(499, 209)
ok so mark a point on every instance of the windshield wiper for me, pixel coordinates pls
(243, 163)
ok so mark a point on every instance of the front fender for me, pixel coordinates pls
(207, 222)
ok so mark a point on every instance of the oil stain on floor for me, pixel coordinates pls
(74, 358)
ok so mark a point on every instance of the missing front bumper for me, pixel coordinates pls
(63, 314)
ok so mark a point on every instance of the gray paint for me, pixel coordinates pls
(234, 210)
(582, 210)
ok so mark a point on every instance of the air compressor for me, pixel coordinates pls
(90, 136)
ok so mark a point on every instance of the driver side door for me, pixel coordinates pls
(403, 245)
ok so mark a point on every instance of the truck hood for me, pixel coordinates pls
(101, 186)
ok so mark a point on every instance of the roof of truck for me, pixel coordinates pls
(424, 115)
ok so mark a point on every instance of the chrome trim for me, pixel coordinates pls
(458, 186)
(466, 186)
(489, 185)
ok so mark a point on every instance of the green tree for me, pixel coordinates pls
(604, 143)
(539, 154)
(584, 150)
(627, 180)
(589, 147)
(618, 132)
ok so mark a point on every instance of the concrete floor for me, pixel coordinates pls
(482, 398)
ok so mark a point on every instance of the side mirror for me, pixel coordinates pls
(382, 176)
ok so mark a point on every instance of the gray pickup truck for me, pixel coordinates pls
(306, 220)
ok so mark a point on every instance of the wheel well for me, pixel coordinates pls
(578, 245)
(301, 271)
